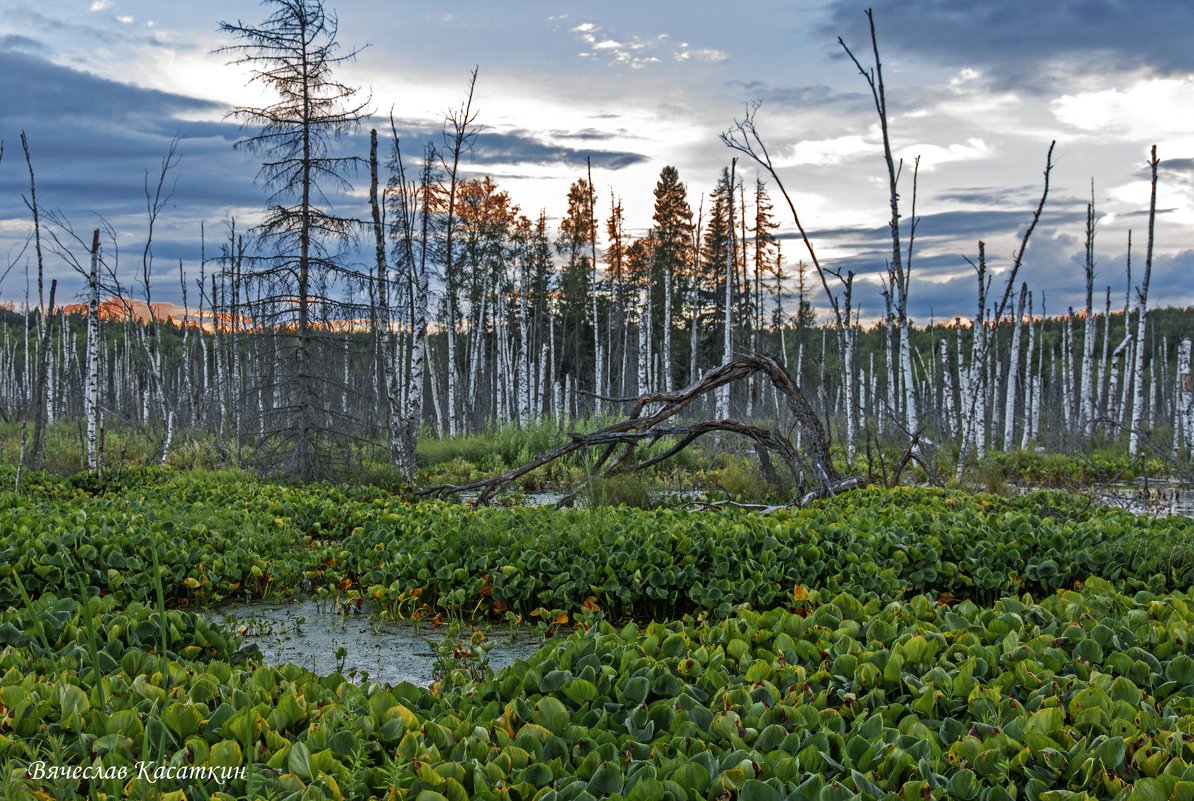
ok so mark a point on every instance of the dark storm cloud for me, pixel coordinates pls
(33, 88)
(798, 97)
(1177, 165)
(990, 196)
(943, 281)
(16, 42)
(1026, 42)
(1142, 214)
(521, 147)
(949, 226)
(586, 135)
(92, 140)
(512, 147)
(95, 143)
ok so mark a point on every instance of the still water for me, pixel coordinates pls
(317, 637)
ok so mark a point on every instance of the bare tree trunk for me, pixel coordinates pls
(900, 272)
(1142, 312)
(727, 338)
(644, 325)
(1088, 333)
(667, 326)
(1101, 383)
(433, 381)
(1067, 372)
(418, 337)
(1029, 379)
(524, 348)
(1183, 425)
(1013, 372)
(41, 408)
(948, 413)
(972, 384)
(91, 392)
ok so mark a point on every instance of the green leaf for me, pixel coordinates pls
(182, 719)
(299, 761)
(1111, 753)
(1149, 789)
(635, 690)
(606, 780)
(1045, 721)
(580, 691)
(1181, 669)
(551, 715)
(224, 754)
(692, 777)
(73, 701)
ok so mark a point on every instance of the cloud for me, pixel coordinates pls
(100, 5)
(1027, 43)
(817, 96)
(826, 152)
(933, 156)
(22, 44)
(709, 54)
(1149, 109)
(93, 140)
(520, 147)
(990, 196)
(638, 52)
(516, 147)
(942, 280)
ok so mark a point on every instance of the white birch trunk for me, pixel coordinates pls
(911, 416)
(948, 413)
(1183, 422)
(667, 328)
(1142, 312)
(1067, 372)
(1116, 399)
(643, 343)
(1101, 384)
(91, 393)
(1087, 382)
(1013, 373)
(413, 415)
(1029, 379)
(727, 336)
(433, 382)
(450, 371)
(523, 376)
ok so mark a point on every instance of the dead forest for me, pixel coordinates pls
(440, 308)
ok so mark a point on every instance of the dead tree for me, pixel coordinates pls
(652, 419)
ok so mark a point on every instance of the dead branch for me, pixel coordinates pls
(647, 423)
(912, 454)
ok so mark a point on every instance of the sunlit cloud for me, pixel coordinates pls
(825, 152)
(1149, 109)
(637, 52)
(100, 5)
(933, 156)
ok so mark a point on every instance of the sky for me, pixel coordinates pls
(977, 90)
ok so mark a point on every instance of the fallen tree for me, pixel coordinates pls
(651, 419)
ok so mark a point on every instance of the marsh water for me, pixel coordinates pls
(318, 637)
(1151, 497)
